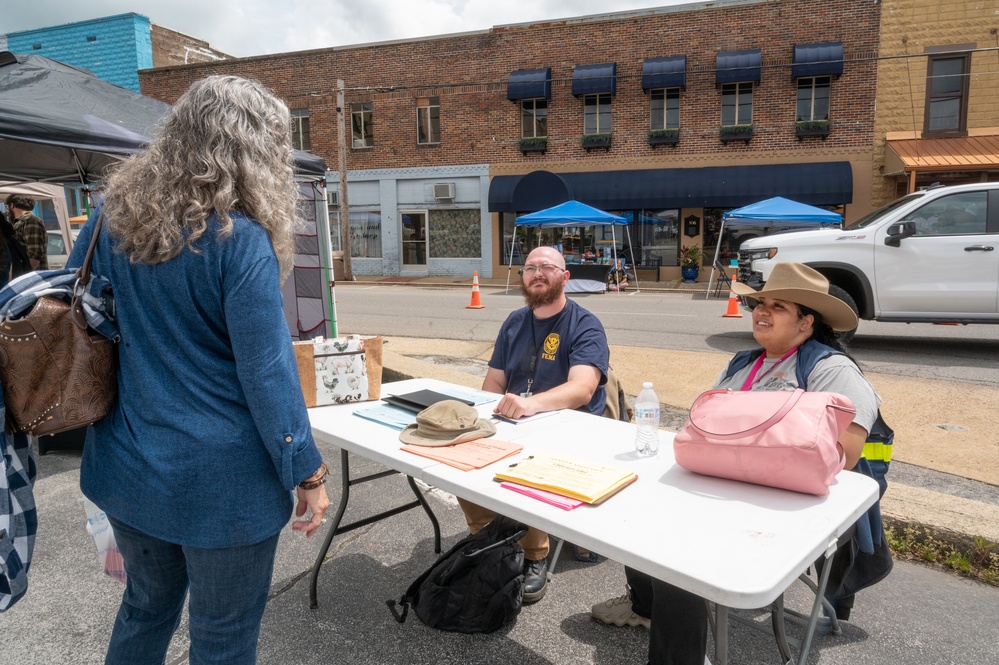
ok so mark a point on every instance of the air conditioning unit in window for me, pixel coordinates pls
(444, 191)
(332, 197)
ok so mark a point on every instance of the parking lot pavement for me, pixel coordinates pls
(67, 615)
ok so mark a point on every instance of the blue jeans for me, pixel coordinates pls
(228, 588)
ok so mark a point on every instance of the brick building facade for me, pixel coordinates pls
(439, 197)
(956, 45)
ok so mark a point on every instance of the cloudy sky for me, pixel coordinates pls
(255, 27)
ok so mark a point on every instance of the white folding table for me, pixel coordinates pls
(735, 544)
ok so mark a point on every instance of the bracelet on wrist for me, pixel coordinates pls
(317, 479)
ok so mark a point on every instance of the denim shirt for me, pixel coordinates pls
(209, 434)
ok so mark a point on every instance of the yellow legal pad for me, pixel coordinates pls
(569, 476)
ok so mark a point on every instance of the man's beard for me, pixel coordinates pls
(541, 298)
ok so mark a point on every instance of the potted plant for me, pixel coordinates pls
(533, 144)
(690, 262)
(664, 137)
(812, 128)
(591, 141)
(736, 133)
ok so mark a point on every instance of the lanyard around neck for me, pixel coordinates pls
(751, 379)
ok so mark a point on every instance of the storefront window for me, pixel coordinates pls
(455, 234)
(365, 233)
(652, 237)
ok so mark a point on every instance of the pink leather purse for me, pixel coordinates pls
(779, 439)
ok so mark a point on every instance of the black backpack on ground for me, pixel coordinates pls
(475, 587)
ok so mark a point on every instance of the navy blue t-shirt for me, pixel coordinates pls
(572, 337)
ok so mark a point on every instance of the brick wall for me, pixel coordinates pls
(907, 28)
(469, 74)
(170, 47)
(114, 47)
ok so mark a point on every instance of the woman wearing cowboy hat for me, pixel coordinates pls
(795, 321)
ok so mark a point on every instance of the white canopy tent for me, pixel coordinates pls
(37, 190)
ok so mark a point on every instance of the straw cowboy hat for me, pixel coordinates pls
(445, 423)
(797, 283)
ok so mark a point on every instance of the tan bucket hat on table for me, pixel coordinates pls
(797, 283)
(445, 423)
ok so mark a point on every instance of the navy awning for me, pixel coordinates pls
(822, 183)
(594, 79)
(529, 84)
(738, 66)
(825, 59)
(670, 72)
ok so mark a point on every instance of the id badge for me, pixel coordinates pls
(526, 394)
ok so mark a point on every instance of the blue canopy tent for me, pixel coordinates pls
(568, 214)
(779, 213)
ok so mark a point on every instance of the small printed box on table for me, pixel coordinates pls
(340, 369)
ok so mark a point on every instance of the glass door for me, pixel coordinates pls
(414, 241)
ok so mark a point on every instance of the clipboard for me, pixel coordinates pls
(419, 400)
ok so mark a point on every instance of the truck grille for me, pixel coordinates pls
(745, 271)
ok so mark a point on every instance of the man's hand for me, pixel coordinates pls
(514, 406)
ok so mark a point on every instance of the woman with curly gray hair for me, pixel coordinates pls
(197, 463)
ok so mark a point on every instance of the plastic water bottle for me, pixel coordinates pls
(647, 421)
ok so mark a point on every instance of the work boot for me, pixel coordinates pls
(535, 580)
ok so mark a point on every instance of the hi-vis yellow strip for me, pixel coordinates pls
(877, 452)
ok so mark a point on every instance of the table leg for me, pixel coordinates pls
(813, 620)
(341, 508)
(430, 514)
(721, 634)
(336, 528)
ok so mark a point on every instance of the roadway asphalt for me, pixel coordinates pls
(919, 615)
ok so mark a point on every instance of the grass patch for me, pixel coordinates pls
(976, 559)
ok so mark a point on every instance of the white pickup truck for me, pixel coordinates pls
(931, 256)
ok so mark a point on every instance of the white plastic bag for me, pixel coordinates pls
(108, 554)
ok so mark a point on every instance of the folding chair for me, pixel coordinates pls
(724, 283)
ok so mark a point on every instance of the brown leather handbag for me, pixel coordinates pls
(58, 373)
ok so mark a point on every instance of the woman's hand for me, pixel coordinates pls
(315, 500)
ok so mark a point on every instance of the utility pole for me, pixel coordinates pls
(341, 130)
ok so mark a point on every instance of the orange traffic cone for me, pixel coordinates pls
(733, 301)
(476, 303)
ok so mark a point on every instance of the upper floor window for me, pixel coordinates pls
(665, 108)
(428, 120)
(737, 104)
(947, 93)
(597, 114)
(360, 125)
(533, 118)
(813, 98)
(300, 129)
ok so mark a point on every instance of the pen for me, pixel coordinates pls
(504, 419)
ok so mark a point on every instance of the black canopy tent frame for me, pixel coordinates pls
(572, 214)
(63, 125)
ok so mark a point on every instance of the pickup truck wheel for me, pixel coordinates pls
(834, 290)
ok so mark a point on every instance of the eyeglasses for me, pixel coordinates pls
(544, 267)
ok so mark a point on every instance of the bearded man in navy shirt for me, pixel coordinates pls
(550, 355)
